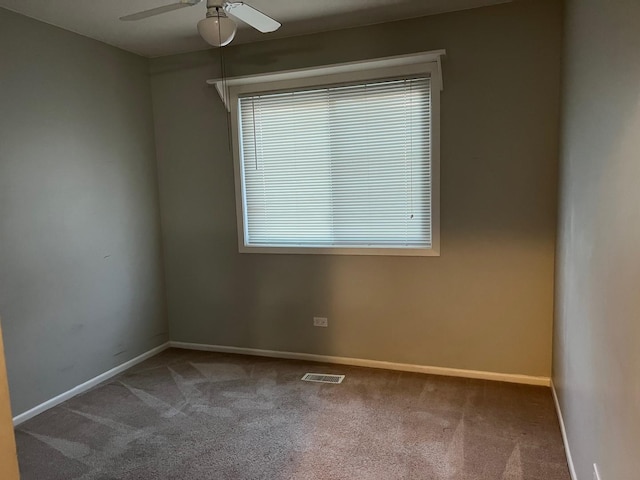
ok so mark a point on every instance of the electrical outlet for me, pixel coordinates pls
(596, 473)
(320, 322)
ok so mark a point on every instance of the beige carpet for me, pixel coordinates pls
(195, 415)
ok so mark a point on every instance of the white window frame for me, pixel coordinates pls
(427, 64)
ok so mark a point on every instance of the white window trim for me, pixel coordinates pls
(427, 63)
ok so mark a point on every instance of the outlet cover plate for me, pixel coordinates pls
(320, 322)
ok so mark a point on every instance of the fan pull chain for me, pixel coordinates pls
(225, 89)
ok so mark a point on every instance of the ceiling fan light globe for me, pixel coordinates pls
(214, 34)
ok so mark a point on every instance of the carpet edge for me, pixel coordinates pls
(563, 431)
(83, 387)
(361, 362)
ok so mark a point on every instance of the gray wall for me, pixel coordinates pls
(597, 334)
(80, 265)
(485, 304)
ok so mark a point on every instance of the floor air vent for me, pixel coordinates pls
(322, 378)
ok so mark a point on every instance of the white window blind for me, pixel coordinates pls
(338, 166)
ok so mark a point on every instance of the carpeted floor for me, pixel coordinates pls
(197, 416)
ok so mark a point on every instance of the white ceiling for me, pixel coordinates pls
(175, 32)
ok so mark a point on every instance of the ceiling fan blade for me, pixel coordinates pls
(251, 16)
(158, 10)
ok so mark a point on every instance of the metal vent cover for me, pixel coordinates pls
(322, 378)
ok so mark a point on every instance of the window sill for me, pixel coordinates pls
(371, 251)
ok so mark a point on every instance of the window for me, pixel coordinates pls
(340, 163)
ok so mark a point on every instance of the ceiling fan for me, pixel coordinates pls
(217, 28)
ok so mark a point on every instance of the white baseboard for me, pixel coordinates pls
(83, 387)
(565, 440)
(359, 362)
